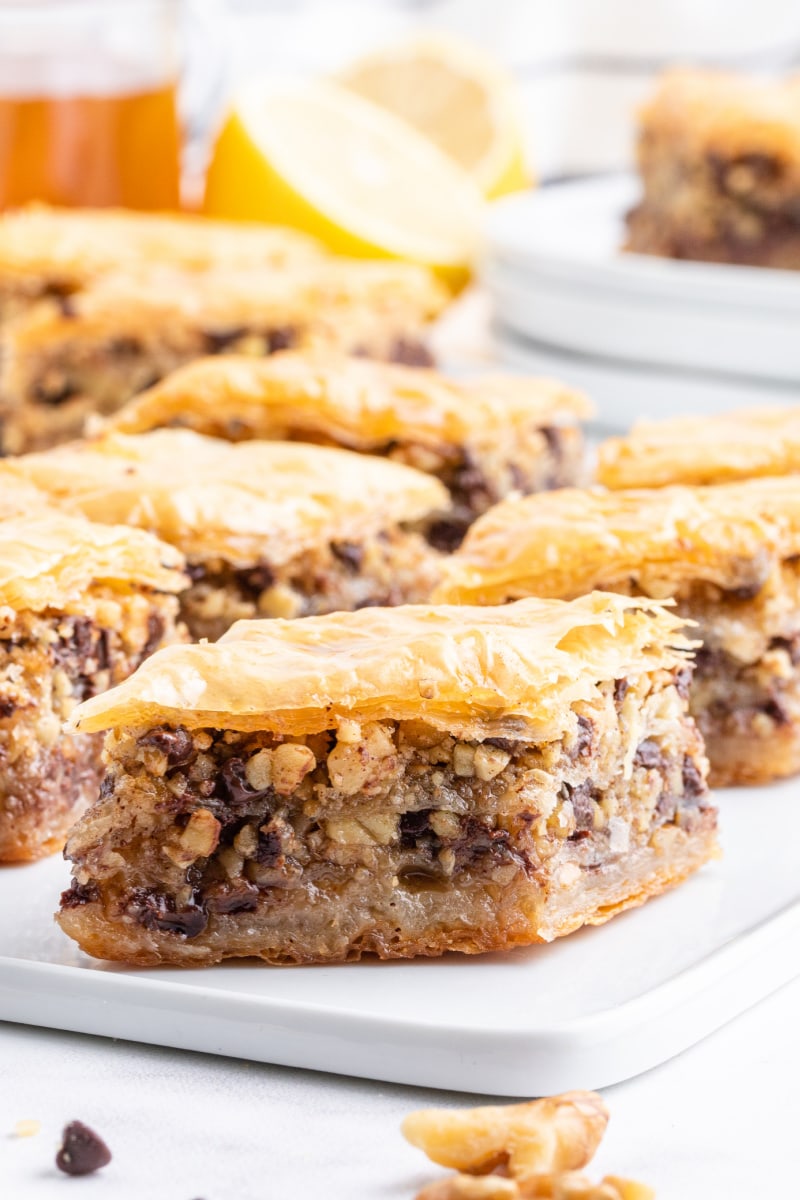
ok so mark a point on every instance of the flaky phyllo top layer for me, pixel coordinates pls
(514, 671)
(352, 400)
(215, 499)
(565, 543)
(153, 302)
(707, 112)
(73, 246)
(50, 560)
(737, 445)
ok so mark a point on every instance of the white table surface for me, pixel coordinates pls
(716, 1123)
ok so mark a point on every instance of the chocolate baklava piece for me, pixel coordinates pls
(483, 437)
(396, 782)
(62, 362)
(52, 252)
(728, 554)
(268, 528)
(719, 160)
(744, 444)
(81, 606)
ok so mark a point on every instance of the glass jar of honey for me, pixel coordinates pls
(88, 102)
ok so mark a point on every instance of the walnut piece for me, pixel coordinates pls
(198, 839)
(569, 1186)
(531, 1151)
(290, 765)
(559, 1133)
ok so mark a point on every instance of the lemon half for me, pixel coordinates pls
(319, 158)
(457, 96)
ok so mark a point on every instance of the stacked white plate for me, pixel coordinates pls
(646, 336)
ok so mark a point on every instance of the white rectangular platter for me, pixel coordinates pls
(588, 1011)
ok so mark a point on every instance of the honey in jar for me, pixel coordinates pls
(88, 112)
(90, 150)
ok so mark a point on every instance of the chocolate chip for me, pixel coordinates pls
(255, 580)
(82, 1151)
(78, 640)
(269, 851)
(683, 679)
(127, 346)
(621, 687)
(556, 444)
(667, 806)
(648, 755)
(7, 707)
(66, 305)
(280, 339)
(233, 782)
(447, 534)
(583, 738)
(508, 744)
(155, 632)
(78, 894)
(790, 645)
(777, 710)
(55, 388)
(196, 571)
(350, 554)
(188, 921)
(218, 340)
(413, 825)
(411, 353)
(582, 799)
(693, 784)
(478, 842)
(746, 592)
(233, 897)
(175, 743)
(154, 910)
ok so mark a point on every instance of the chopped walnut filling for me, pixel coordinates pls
(392, 567)
(478, 477)
(238, 822)
(47, 398)
(745, 695)
(49, 662)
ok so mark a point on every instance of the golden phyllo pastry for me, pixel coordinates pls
(399, 781)
(747, 444)
(482, 437)
(62, 361)
(729, 555)
(268, 528)
(719, 158)
(55, 252)
(81, 605)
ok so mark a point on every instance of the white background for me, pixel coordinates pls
(719, 1122)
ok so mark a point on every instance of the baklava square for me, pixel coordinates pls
(81, 606)
(267, 528)
(719, 160)
(483, 437)
(54, 252)
(729, 555)
(396, 782)
(62, 361)
(745, 444)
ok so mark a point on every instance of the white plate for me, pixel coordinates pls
(556, 276)
(588, 1011)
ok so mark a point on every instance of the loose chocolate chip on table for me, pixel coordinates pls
(82, 1151)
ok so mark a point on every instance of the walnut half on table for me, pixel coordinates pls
(531, 1151)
